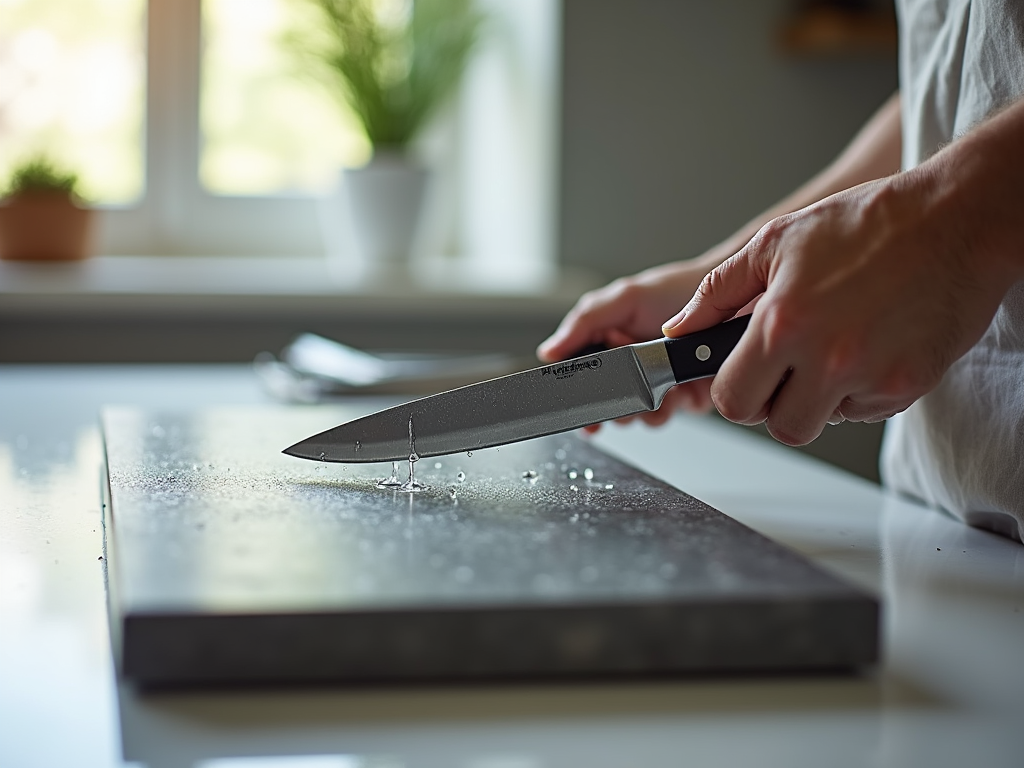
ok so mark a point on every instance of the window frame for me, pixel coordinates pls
(478, 222)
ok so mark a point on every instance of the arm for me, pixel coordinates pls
(633, 308)
(869, 295)
(875, 152)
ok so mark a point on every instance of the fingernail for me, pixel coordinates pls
(668, 325)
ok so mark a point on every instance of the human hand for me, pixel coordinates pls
(629, 310)
(866, 298)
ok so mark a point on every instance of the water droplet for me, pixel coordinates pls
(469, 454)
(412, 485)
(437, 465)
(358, 446)
(609, 486)
(572, 474)
(323, 456)
(574, 519)
(393, 481)
(560, 454)
(530, 474)
(588, 473)
(461, 477)
(573, 488)
(453, 492)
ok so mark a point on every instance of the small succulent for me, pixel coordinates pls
(40, 174)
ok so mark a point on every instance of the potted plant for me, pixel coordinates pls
(393, 70)
(40, 215)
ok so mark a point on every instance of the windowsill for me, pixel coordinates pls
(129, 284)
(227, 309)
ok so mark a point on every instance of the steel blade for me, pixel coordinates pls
(541, 401)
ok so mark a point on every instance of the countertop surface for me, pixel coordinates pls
(950, 689)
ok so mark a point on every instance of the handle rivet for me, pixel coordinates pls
(703, 352)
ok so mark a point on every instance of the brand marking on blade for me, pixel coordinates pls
(569, 369)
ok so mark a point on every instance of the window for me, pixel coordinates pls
(71, 86)
(205, 164)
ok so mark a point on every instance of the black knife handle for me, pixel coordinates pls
(701, 354)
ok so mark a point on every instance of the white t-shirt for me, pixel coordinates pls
(961, 446)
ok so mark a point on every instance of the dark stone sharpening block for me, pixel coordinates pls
(230, 563)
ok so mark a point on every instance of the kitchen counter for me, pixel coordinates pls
(950, 690)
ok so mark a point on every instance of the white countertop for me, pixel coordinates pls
(950, 691)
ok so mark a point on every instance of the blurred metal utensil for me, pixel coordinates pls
(312, 368)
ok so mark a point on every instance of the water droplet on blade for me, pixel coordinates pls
(461, 477)
(358, 446)
(323, 456)
(588, 473)
(572, 474)
(530, 474)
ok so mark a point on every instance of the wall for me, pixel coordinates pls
(682, 120)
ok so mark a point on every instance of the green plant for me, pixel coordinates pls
(40, 174)
(392, 65)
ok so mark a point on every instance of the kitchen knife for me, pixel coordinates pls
(541, 401)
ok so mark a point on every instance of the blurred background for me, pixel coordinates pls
(587, 139)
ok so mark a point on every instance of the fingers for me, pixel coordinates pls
(723, 291)
(587, 323)
(569, 337)
(801, 409)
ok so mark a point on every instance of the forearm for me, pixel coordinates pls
(873, 153)
(975, 187)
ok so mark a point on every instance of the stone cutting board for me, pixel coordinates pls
(230, 563)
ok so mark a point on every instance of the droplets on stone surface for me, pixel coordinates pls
(412, 485)
(393, 481)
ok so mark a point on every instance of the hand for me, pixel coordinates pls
(629, 310)
(866, 298)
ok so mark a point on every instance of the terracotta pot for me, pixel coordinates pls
(44, 226)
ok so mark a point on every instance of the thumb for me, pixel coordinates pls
(722, 293)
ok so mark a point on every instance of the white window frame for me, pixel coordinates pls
(496, 187)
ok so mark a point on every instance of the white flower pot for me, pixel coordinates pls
(386, 200)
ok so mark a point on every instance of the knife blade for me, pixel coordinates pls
(540, 401)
